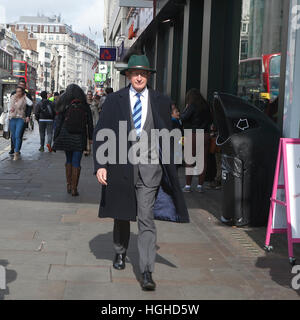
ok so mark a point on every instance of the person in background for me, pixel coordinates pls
(176, 121)
(197, 115)
(95, 108)
(45, 114)
(89, 100)
(19, 113)
(106, 93)
(50, 97)
(22, 84)
(177, 124)
(89, 97)
(74, 126)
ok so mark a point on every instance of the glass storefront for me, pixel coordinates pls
(260, 54)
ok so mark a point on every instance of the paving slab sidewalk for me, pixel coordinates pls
(54, 246)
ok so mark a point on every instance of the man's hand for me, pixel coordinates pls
(102, 176)
(27, 119)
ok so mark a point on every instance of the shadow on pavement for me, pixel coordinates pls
(98, 246)
(279, 268)
(11, 276)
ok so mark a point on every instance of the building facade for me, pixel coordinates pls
(200, 44)
(57, 46)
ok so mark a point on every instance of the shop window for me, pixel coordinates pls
(260, 46)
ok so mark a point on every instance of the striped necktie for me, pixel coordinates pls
(137, 114)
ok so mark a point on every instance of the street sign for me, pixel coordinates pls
(102, 68)
(100, 77)
(97, 77)
(108, 53)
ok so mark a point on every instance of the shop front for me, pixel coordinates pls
(7, 85)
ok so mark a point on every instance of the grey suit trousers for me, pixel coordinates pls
(147, 231)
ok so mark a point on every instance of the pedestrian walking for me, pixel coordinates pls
(19, 113)
(107, 91)
(74, 125)
(95, 108)
(22, 84)
(89, 100)
(129, 190)
(195, 116)
(45, 114)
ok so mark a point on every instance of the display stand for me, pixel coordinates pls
(284, 214)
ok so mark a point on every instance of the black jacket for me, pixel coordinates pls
(195, 118)
(63, 140)
(40, 115)
(118, 198)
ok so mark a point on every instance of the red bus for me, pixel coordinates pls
(22, 69)
(259, 78)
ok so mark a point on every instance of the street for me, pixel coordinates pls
(53, 246)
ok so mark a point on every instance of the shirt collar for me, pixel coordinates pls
(134, 92)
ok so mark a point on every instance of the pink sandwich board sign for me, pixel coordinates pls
(284, 214)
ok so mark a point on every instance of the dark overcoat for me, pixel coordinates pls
(118, 199)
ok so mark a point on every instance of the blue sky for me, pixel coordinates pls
(82, 15)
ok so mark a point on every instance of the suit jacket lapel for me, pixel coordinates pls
(124, 104)
(154, 107)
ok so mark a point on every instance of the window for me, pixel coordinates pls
(57, 29)
(51, 38)
(46, 29)
(35, 28)
(21, 27)
(51, 29)
(42, 44)
(244, 27)
(57, 38)
(47, 55)
(275, 66)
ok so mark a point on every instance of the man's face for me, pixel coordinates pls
(138, 78)
(89, 96)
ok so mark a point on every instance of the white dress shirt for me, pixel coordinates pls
(144, 100)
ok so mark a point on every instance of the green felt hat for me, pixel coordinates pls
(139, 62)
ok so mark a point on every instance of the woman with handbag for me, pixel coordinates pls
(19, 114)
(74, 127)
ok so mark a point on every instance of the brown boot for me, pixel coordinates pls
(75, 180)
(69, 177)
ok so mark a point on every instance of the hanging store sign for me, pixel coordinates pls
(102, 68)
(108, 53)
(9, 81)
(100, 77)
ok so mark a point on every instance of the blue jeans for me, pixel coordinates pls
(16, 126)
(74, 157)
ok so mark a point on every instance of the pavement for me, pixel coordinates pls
(54, 247)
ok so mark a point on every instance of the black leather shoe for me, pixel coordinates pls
(119, 262)
(147, 282)
(11, 152)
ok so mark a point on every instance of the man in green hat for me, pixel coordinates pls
(130, 190)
